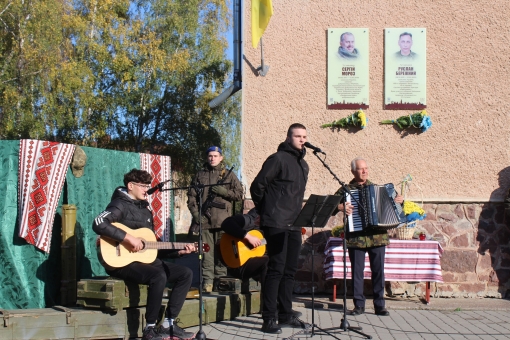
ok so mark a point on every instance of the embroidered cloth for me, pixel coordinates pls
(42, 171)
(404, 261)
(159, 167)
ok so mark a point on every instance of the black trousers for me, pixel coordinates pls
(255, 268)
(376, 257)
(156, 275)
(283, 247)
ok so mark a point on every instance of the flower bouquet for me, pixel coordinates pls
(338, 231)
(420, 120)
(413, 211)
(358, 119)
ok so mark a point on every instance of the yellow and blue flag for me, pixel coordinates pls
(261, 12)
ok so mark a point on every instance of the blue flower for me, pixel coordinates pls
(415, 216)
(426, 123)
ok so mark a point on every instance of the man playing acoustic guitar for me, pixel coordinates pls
(241, 227)
(130, 207)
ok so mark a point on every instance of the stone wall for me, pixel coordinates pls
(475, 263)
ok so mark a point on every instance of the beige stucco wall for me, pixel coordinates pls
(463, 157)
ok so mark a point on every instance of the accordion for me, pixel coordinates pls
(378, 209)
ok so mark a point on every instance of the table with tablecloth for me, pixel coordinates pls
(405, 260)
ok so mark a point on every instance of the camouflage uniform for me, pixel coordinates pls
(212, 266)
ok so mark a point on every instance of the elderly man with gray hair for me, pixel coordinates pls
(369, 240)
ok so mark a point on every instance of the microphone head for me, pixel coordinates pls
(152, 190)
(155, 188)
(314, 148)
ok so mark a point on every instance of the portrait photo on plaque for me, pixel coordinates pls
(348, 68)
(405, 68)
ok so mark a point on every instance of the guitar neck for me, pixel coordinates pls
(165, 245)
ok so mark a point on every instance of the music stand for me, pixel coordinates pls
(315, 214)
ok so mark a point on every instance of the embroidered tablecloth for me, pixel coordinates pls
(405, 260)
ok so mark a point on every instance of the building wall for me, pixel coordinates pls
(463, 157)
(460, 167)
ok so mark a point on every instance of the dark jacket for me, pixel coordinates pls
(209, 175)
(132, 213)
(279, 188)
(239, 225)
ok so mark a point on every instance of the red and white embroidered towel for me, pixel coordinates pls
(42, 171)
(159, 167)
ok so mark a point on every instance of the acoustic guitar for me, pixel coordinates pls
(117, 255)
(235, 251)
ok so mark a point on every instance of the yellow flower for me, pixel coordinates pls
(363, 118)
(410, 207)
(424, 112)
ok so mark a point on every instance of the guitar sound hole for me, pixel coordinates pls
(234, 248)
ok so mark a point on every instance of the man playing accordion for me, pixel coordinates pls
(369, 240)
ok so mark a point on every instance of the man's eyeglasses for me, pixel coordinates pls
(144, 186)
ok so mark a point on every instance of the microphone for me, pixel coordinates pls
(157, 187)
(314, 148)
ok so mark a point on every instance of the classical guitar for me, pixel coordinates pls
(116, 255)
(235, 252)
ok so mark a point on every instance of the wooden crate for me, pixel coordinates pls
(110, 294)
(70, 323)
(233, 285)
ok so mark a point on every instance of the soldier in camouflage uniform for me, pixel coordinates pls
(371, 241)
(222, 196)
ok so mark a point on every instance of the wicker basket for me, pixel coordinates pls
(406, 232)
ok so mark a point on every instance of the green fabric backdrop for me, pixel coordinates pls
(91, 193)
(30, 278)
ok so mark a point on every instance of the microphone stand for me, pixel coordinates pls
(344, 324)
(199, 189)
(315, 213)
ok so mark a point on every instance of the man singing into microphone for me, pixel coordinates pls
(130, 207)
(277, 192)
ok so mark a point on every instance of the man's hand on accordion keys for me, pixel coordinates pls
(399, 199)
(348, 208)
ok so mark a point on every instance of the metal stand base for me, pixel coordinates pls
(200, 335)
(344, 326)
(309, 328)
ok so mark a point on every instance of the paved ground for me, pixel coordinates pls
(409, 319)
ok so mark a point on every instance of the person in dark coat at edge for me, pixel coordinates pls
(130, 207)
(278, 192)
(238, 226)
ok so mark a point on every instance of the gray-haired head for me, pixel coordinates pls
(355, 160)
(344, 34)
